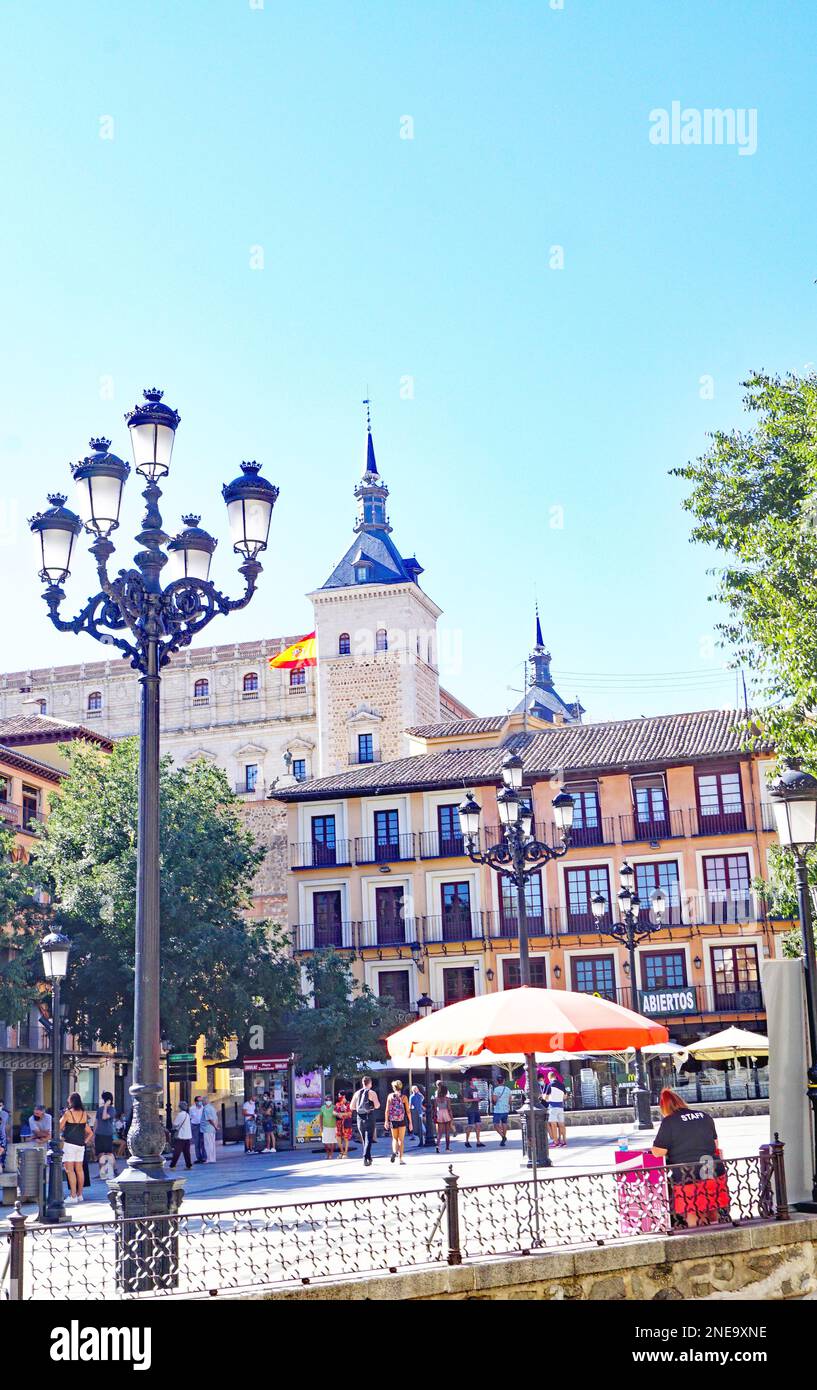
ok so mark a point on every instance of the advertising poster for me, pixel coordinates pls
(308, 1100)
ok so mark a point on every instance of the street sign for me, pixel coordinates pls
(181, 1066)
(660, 1003)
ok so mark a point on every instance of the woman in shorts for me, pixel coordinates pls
(76, 1133)
(398, 1120)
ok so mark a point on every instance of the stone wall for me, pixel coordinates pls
(775, 1260)
(268, 822)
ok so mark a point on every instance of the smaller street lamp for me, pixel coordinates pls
(55, 949)
(190, 552)
(100, 479)
(424, 1008)
(55, 532)
(794, 802)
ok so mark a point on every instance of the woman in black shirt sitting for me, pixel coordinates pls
(688, 1142)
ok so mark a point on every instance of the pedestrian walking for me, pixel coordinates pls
(197, 1143)
(182, 1135)
(365, 1103)
(343, 1116)
(501, 1101)
(209, 1126)
(472, 1118)
(555, 1098)
(443, 1115)
(250, 1124)
(103, 1136)
(417, 1101)
(329, 1126)
(76, 1133)
(398, 1121)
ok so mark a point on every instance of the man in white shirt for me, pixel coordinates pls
(209, 1125)
(40, 1125)
(250, 1124)
(197, 1144)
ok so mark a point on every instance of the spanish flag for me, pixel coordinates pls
(301, 653)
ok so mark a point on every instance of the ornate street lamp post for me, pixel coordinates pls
(631, 929)
(55, 949)
(424, 1007)
(794, 801)
(148, 622)
(517, 856)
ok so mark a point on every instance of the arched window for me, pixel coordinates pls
(201, 690)
(297, 676)
(381, 640)
(95, 702)
(250, 682)
(344, 644)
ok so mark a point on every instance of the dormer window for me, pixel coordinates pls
(362, 572)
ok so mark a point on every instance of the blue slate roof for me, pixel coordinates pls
(387, 565)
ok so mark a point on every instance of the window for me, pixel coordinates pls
(587, 827)
(201, 690)
(361, 574)
(650, 805)
(250, 684)
(381, 640)
(511, 977)
(736, 978)
(31, 804)
(458, 984)
(95, 702)
(720, 802)
(650, 877)
(594, 975)
(327, 918)
(394, 986)
(297, 676)
(663, 970)
(251, 777)
(365, 748)
(299, 769)
(344, 644)
(456, 906)
(324, 844)
(390, 920)
(42, 706)
(448, 825)
(386, 835)
(508, 905)
(583, 885)
(728, 886)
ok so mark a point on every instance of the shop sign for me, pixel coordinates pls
(266, 1064)
(661, 1003)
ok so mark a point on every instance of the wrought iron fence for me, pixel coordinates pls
(197, 1254)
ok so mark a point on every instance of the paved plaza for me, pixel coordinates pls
(239, 1180)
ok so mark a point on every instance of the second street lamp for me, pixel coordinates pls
(794, 802)
(55, 949)
(517, 856)
(630, 929)
(424, 1006)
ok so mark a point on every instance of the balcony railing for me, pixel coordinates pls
(691, 909)
(634, 827)
(767, 821)
(19, 817)
(401, 931)
(603, 833)
(318, 856)
(374, 850)
(314, 936)
(677, 1001)
(445, 928)
(721, 822)
(356, 761)
(433, 845)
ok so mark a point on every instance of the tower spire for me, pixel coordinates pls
(539, 639)
(371, 462)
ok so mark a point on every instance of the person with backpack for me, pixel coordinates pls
(398, 1120)
(365, 1103)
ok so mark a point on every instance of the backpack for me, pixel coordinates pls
(365, 1106)
(397, 1110)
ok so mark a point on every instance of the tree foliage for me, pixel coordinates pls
(217, 966)
(754, 498)
(20, 959)
(345, 1028)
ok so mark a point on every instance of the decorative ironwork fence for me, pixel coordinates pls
(197, 1254)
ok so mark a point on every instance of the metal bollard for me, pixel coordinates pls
(452, 1207)
(779, 1164)
(17, 1236)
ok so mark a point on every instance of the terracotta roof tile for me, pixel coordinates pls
(21, 729)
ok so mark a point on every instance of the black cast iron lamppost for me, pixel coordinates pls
(424, 1007)
(794, 801)
(632, 929)
(55, 950)
(517, 856)
(148, 622)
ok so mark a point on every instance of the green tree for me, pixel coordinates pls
(345, 1029)
(218, 966)
(20, 960)
(754, 498)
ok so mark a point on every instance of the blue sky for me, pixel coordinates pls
(127, 262)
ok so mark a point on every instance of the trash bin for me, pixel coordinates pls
(30, 1170)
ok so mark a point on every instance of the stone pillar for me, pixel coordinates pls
(8, 1091)
(8, 1102)
(39, 1088)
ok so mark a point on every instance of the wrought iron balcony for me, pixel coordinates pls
(310, 855)
(637, 828)
(399, 931)
(373, 850)
(433, 845)
(721, 822)
(315, 936)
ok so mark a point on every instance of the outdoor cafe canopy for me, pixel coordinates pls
(526, 1020)
(728, 1045)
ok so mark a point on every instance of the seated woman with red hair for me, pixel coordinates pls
(688, 1142)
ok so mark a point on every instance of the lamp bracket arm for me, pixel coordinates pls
(100, 612)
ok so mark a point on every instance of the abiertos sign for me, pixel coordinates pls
(659, 1002)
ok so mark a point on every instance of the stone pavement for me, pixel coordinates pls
(240, 1180)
